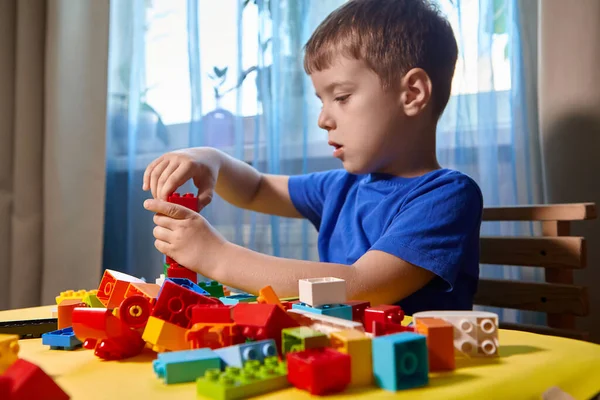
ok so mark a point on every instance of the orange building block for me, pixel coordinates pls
(113, 286)
(440, 343)
(65, 312)
(165, 336)
(148, 290)
(267, 295)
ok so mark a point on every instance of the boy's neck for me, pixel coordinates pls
(417, 158)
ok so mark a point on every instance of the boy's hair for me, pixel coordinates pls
(392, 37)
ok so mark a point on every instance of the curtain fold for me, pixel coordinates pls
(490, 128)
(52, 102)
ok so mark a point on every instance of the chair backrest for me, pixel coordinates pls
(555, 251)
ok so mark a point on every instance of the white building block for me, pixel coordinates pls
(318, 292)
(327, 324)
(475, 332)
(160, 280)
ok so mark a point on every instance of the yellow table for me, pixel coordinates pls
(528, 365)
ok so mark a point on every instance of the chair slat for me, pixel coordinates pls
(544, 297)
(554, 212)
(549, 252)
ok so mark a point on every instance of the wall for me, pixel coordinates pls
(569, 106)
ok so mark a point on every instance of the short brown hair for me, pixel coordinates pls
(392, 37)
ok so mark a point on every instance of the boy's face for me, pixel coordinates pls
(363, 121)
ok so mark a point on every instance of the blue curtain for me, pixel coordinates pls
(229, 75)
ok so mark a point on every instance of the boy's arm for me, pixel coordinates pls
(243, 186)
(377, 276)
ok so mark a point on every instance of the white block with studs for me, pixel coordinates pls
(475, 332)
(318, 292)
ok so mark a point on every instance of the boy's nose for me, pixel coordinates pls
(326, 121)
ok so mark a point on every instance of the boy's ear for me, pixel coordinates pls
(416, 91)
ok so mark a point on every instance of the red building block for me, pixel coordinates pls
(263, 321)
(30, 382)
(177, 271)
(175, 304)
(384, 314)
(65, 312)
(319, 371)
(358, 309)
(212, 314)
(134, 311)
(188, 200)
(384, 328)
(111, 338)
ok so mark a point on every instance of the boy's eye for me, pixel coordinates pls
(343, 98)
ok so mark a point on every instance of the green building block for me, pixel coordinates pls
(186, 365)
(302, 338)
(213, 287)
(240, 383)
(165, 268)
(92, 301)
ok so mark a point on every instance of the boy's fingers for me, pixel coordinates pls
(158, 170)
(161, 246)
(169, 209)
(164, 221)
(204, 198)
(148, 172)
(162, 234)
(174, 180)
(161, 193)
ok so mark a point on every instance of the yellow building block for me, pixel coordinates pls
(358, 346)
(9, 351)
(165, 336)
(74, 295)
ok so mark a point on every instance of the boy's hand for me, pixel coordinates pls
(185, 235)
(167, 173)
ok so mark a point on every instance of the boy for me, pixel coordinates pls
(393, 224)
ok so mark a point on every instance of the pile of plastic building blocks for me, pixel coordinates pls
(240, 345)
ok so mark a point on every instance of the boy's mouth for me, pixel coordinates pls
(338, 149)
(334, 144)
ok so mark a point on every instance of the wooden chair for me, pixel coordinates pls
(555, 251)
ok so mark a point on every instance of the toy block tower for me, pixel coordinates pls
(324, 296)
(173, 269)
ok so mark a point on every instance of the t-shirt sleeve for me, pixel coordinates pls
(437, 228)
(308, 193)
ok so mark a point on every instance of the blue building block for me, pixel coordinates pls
(240, 354)
(237, 298)
(186, 283)
(400, 361)
(62, 339)
(185, 366)
(333, 310)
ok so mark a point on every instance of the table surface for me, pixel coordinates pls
(528, 365)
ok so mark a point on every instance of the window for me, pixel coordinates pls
(167, 61)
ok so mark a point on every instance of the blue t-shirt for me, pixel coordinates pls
(431, 221)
